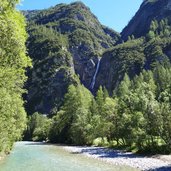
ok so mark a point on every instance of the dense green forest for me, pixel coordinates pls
(13, 62)
(130, 106)
(136, 116)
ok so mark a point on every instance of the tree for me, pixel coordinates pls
(124, 86)
(110, 119)
(71, 121)
(165, 130)
(144, 102)
(100, 99)
(13, 62)
(150, 35)
(38, 127)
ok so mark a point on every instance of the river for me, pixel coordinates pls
(31, 156)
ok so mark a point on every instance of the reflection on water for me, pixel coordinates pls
(30, 156)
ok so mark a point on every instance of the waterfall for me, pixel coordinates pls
(95, 75)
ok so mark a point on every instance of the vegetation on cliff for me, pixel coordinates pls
(149, 10)
(134, 55)
(52, 70)
(62, 39)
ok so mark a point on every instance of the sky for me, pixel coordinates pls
(113, 13)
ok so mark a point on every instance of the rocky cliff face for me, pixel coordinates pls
(85, 41)
(123, 58)
(52, 70)
(150, 10)
(151, 27)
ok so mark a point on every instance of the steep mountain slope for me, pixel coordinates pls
(153, 27)
(63, 41)
(68, 40)
(128, 57)
(52, 70)
(149, 10)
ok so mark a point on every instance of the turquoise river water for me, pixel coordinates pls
(30, 156)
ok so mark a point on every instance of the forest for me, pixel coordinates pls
(136, 116)
(133, 112)
(13, 62)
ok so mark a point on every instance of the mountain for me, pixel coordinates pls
(71, 50)
(64, 41)
(150, 10)
(68, 45)
(146, 42)
(52, 70)
(124, 58)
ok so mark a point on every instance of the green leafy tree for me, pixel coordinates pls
(38, 127)
(13, 62)
(110, 119)
(166, 126)
(71, 121)
(150, 35)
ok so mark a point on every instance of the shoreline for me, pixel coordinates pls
(118, 157)
(2, 157)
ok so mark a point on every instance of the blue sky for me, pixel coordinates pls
(112, 13)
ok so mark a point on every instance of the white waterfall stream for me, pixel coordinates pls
(95, 75)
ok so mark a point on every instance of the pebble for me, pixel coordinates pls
(117, 157)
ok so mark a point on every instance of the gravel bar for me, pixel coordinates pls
(118, 157)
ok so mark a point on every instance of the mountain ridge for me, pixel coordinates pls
(149, 10)
(85, 41)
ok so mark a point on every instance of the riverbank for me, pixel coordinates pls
(117, 157)
(39, 156)
(2, 156)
